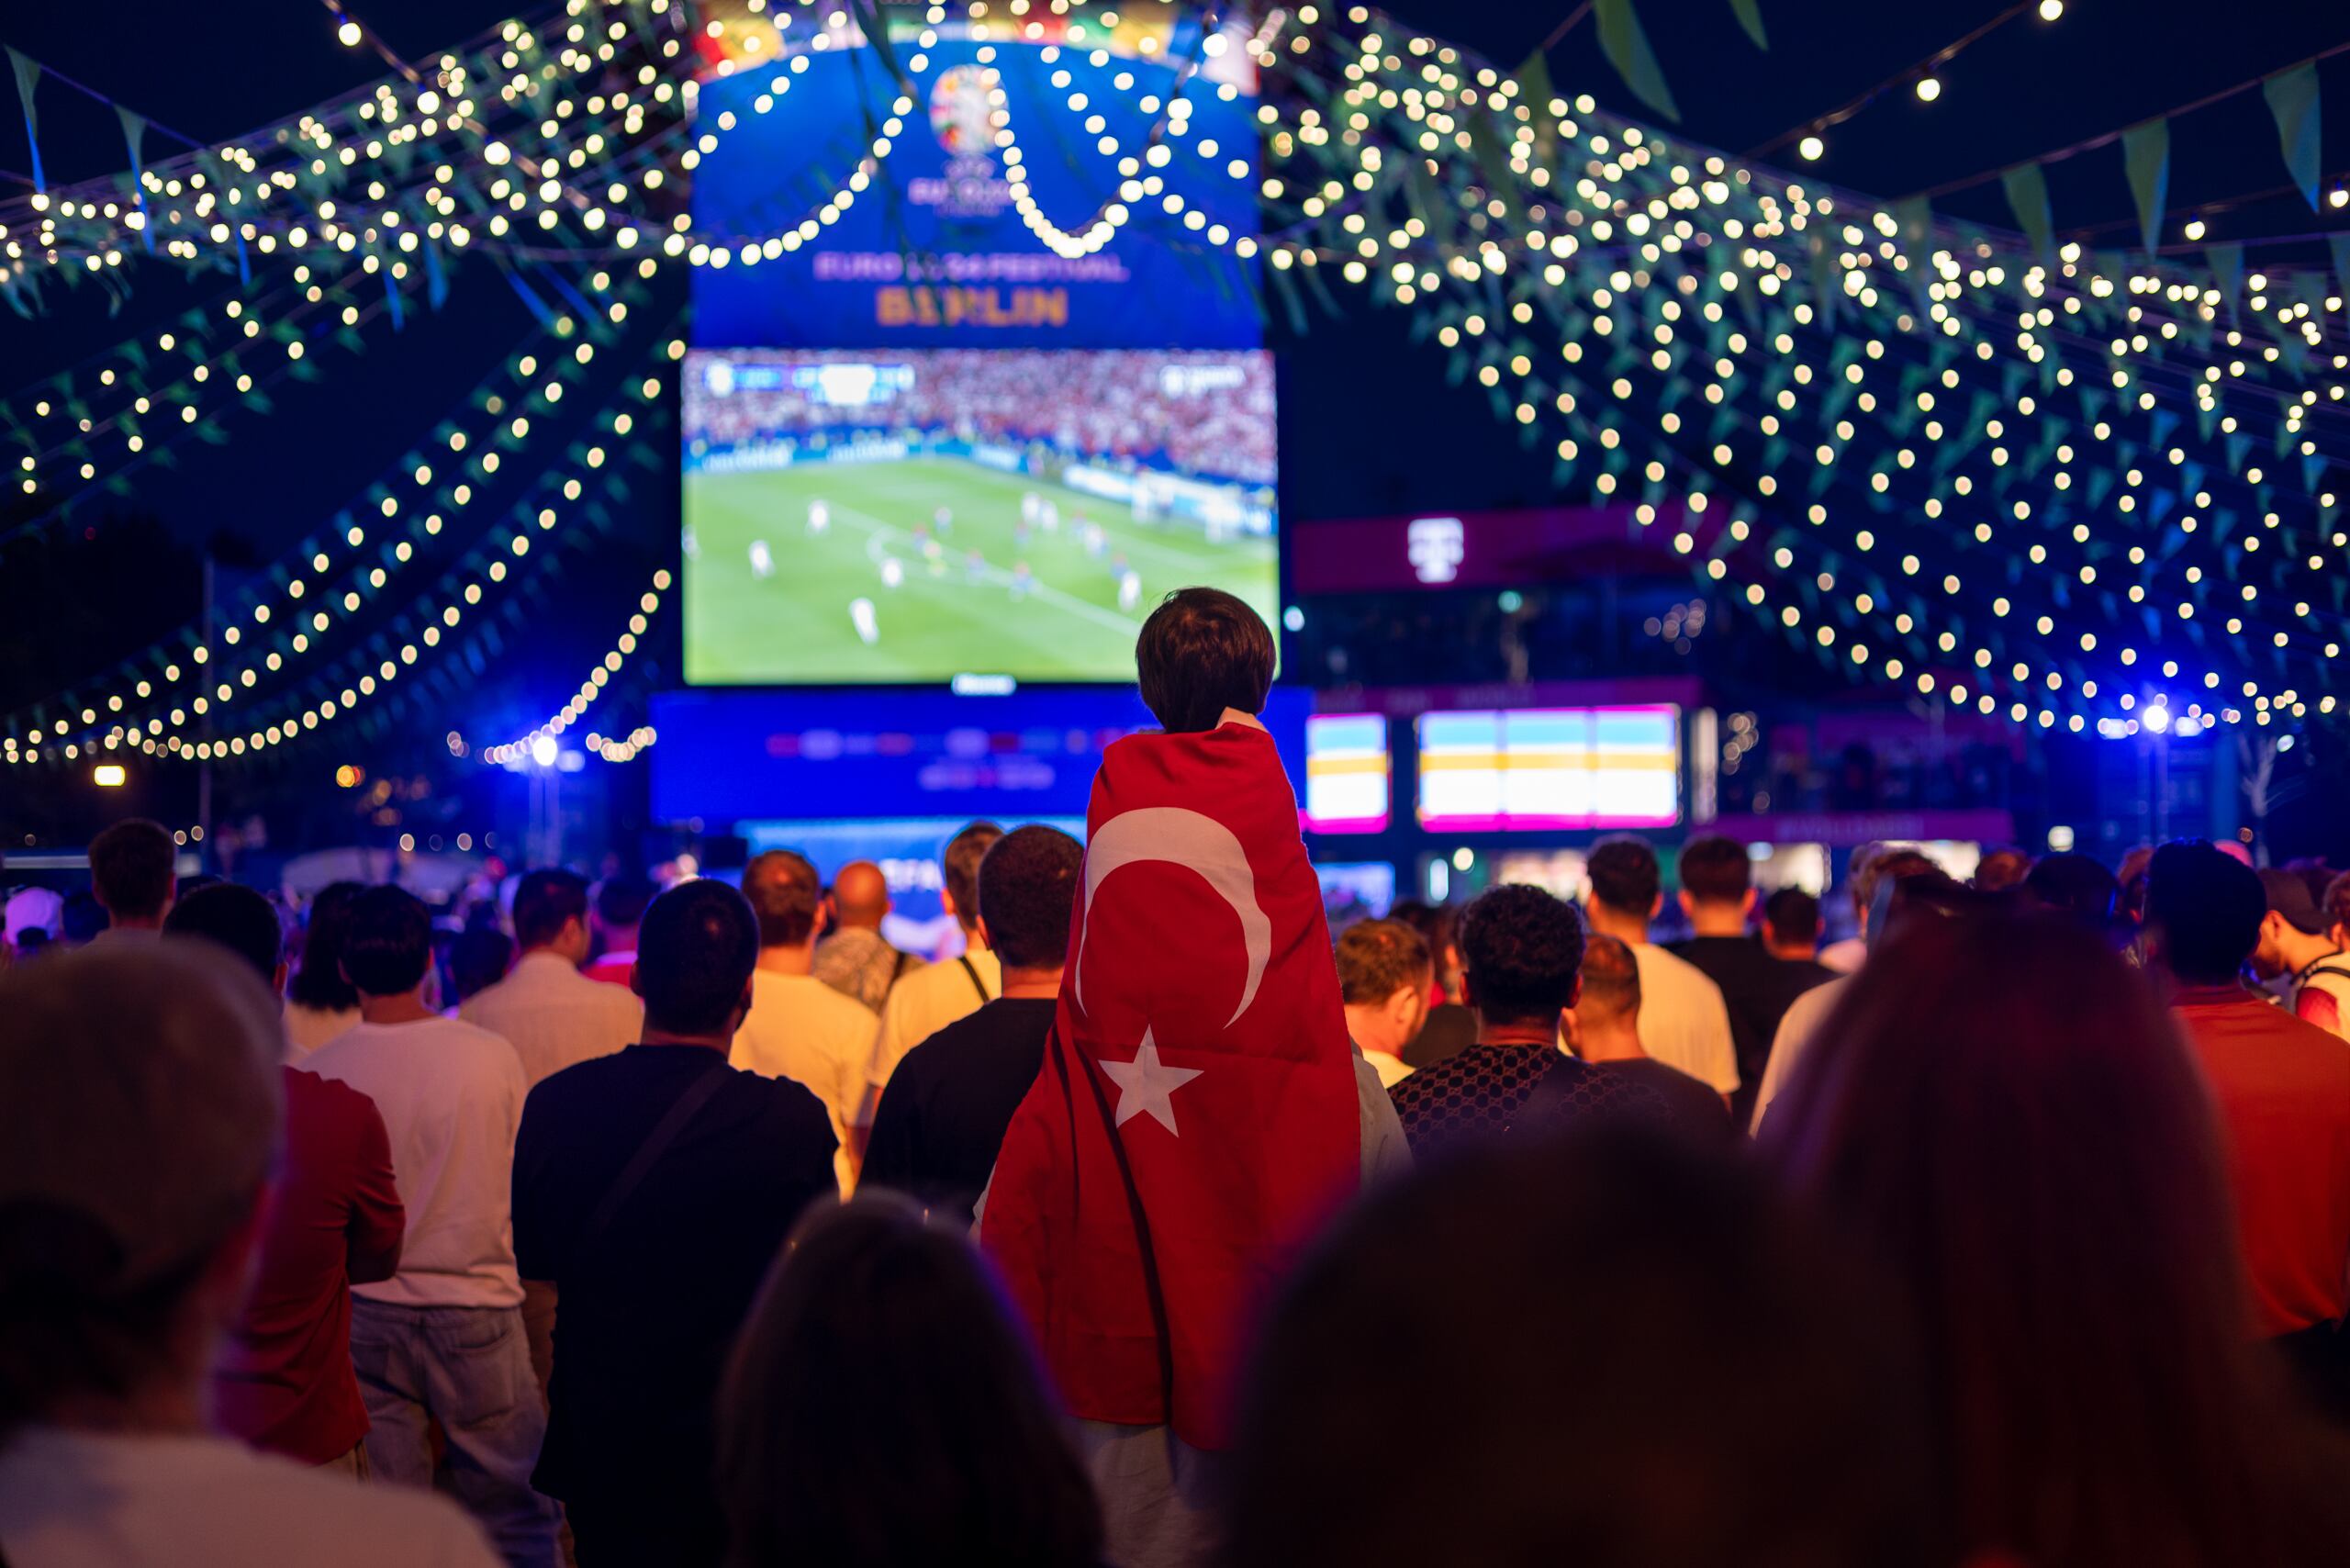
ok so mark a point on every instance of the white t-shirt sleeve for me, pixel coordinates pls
(1719, 1051)
(1384, 1149)
(889, 1042)
(1788, 1045)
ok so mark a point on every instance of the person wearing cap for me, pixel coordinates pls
(443, 1339)
(2298, 944)
(135, 1171)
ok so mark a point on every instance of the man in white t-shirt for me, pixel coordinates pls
(443, 1339)
(2297, 943)
(1684, 1021)
(799, 1027)
(134, 1173)
(927, 1000)
(552, 1014)
(1387, 980)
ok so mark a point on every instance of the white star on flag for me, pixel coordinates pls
(1149, 1084)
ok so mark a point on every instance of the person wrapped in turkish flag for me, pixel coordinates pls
(1196, 1116)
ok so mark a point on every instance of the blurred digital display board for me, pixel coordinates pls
(1348, 775)
(1498, 769)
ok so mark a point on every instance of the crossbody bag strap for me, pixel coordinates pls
(978, 984)
(657, 1143)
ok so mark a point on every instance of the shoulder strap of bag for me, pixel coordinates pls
(2309, 973)
(978, 984)
(657, 1143)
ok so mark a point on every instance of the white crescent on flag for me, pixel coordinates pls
(1186, 839)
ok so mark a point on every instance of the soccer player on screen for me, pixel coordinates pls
(819, 516)
(762, 560)
(1129, 590)
(944, 518)
(860, 615)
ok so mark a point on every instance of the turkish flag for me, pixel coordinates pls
(1195, 1116)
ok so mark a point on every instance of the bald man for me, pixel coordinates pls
(856, 960)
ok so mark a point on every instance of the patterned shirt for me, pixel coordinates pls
(1481, 1092)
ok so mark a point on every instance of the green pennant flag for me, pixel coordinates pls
(2292, 98)
(2026, 189)
(1750, 16)
(2146, 157)
(1627, 48)
(2227, 265)
(27, 70)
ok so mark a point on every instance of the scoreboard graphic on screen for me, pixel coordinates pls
(1492, 770)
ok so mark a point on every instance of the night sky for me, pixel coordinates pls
(1369, 425)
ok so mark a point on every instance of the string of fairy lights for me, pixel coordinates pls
(2067, 486)
(538, 743)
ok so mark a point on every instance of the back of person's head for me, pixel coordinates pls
(861, 894)
(1439, 926)
(695, 951)
(130, 869)
(1715, 870)
(546, 902)
(958, 868)
(1202, 650)
(1027, 892)
(1999, 1111)
(1379, 957)
(1792, 915)
(240, 920)
(621, 900)
(883, 1409)
(786, 894)
(2072, 883)
(1624, 876)
(1857, 881)
(81, 918)
(319, 981)
(138, 1120)
(1711, 1380)
(478, 960)
(1520, 951)
(1905, 884)
(2001, 869)
(388, 945)
(1611, 982)
(2203, 911)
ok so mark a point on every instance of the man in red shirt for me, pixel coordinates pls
(285, 1382)
(2281, 1086)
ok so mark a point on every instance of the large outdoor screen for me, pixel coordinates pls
(951, 419)
(913, 517)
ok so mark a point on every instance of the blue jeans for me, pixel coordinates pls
(469, 1369)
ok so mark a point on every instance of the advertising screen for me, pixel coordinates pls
(1554, 767)
(1345, 773)
(909, 516)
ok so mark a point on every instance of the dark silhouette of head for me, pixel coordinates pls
(388, 945)
(695, 951)
(959, 867)
(1712, 1380)
(1521, 949)
(319, 981)
(1715, 870)
(547, 902)
(130, 871)
(2203, 911)
(239, 919)
(1028, 894)
(1625, 876)
(883, 1409)
(2000, 1100)
(1202, 650)
(2072, 883)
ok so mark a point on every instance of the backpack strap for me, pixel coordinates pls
(978, 984)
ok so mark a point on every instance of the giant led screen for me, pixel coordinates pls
(963, 423)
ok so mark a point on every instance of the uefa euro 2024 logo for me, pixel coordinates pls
(963, 119)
